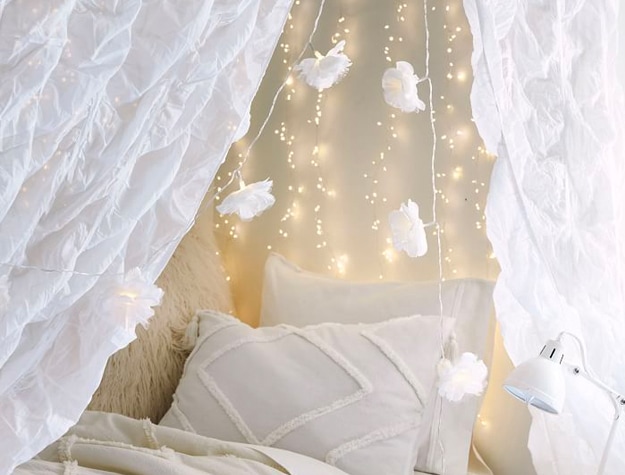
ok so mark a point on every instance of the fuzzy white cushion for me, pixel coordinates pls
(140, 379)
(297, 297)
(349, 395)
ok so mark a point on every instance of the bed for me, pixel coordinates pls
(192, 372)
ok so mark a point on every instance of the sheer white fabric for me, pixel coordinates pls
(547, 100)
(114, 117)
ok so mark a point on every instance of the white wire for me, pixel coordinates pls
(237, 170)
(434, 214)
(433, 159)
(57, 271)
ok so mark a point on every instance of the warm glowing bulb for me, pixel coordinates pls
(341, 264)
(128, 294)
(389, 255)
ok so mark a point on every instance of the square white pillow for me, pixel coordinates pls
(352, 396)
(297, 297)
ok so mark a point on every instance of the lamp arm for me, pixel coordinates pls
(617, 399)
(587, 373)
(608, 444)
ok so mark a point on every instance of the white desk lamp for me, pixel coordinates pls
(540, 382)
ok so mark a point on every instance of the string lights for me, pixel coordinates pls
(377, 172)
(435, 155)
(460, 180)
(305, 144)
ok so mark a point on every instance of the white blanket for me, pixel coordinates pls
(104, 444)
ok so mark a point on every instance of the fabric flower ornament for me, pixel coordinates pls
(249, 201)
(322, 72)
(408, 230)
(5, 297)
(466, 376)
(400, 88)
(133, 299)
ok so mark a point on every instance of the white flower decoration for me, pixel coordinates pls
(5, 297)
(322, 71)
(407, 229)
(249, 201)
(133, 299)
(466, 376)
(400, 88)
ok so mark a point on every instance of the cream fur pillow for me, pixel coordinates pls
(140, 379)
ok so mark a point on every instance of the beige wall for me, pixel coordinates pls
(348, 165)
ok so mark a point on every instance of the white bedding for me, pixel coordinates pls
(104, 444)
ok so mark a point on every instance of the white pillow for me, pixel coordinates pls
(297, 297)
(349, 395)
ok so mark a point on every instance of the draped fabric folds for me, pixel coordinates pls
(114, 117)
(547, 101)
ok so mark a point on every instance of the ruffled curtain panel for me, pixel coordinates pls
(547, 101)
(114, 117)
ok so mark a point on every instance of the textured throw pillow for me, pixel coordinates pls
(296, 297)
(349, 395)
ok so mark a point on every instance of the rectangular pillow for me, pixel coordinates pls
(352, 396)
(298, 297)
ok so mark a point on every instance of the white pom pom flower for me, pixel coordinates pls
(5, 297)
(133, 299)
(322, 72)
(249, 201)
(466, 376)
(408, 230)
(400, 88)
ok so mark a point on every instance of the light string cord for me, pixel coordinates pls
(207, 203)
(320, 187)
(335, 258)
(237, 171)
(58, 271)
(428, 79)
(434, 212)
(375, 177)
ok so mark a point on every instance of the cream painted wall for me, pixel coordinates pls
(349, 139)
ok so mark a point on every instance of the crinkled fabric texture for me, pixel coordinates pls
(546, 99)
(115, 118)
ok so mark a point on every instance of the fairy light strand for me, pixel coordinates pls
(450, 182)
(457, 175)
(246, 156)
(434, 200)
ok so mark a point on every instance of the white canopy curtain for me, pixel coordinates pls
(114, 117)
(547, 101)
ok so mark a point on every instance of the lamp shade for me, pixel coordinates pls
(540, 381)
